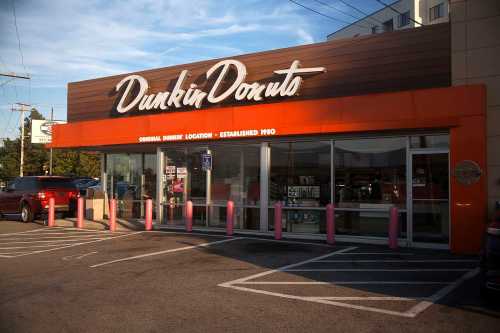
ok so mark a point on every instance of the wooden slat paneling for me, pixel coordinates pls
(400, 60)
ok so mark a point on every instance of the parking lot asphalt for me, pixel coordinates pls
(64, 279)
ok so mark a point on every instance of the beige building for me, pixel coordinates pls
(402, 14)
(475, 43)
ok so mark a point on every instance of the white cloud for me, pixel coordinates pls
(305, 37)
(71, 40)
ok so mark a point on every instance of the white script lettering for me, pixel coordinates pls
(194, 96)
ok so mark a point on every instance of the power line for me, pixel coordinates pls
(396, 11)
(360, 11)
(319, 13)
(338, 10)
(17, 34)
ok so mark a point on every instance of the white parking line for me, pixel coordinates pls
(318, 300)
(65, 246)
(377, 253)
(379, 270)
(56, 240)
(78, 256)
(166, 251)
(346, 282)
(368, 298)
(400, 261)
(423, 302)
(252, 277)
(35, 246)
(422, 306)
(21, 232)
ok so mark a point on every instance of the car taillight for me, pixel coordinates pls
(73, 195)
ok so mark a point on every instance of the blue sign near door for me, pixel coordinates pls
(206, 162)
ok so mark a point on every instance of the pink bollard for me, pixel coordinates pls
(148, 223)
(277, 220)
(230, 218)
(51, 218)
(330, 224)
(112, 215)
(393, 228)
(189, 216)
(79, 213)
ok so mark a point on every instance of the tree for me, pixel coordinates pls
(66, 162)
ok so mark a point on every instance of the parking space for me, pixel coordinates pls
(166, 280)
(396, 283)
(40, 240)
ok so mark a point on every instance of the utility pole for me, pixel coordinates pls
(21, 121)
(22, 105)
(50, 161)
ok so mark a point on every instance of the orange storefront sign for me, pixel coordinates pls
(459, 109)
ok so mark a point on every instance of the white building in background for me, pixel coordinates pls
(404, 14)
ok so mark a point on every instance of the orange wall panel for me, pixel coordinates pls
(461, 109)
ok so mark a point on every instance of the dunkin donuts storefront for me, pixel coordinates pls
(366, 123)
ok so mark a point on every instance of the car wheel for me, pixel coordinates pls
(26, 213)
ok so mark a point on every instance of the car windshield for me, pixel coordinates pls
(56, 182)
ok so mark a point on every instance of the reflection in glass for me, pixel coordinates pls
(370, 177)
(430, 141)
(174, 186)
(430, 198)
(235, 176)
(129, 181)
(300, 177)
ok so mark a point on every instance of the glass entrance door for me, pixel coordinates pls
(430, 197)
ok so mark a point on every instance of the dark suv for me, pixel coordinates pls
(29, 196)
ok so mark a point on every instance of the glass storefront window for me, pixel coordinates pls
(130, 182)
(430, 198)
(175, 185)
(370, 177)
(235, 176)
(430, 141)
(149, 176)
(300, 178)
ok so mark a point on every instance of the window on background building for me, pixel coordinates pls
(370, 177)
(300, 179)
(374, 29)
(404, 19)
(436, 12)
(388, 26)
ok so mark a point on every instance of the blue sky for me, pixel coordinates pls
(71, 40)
